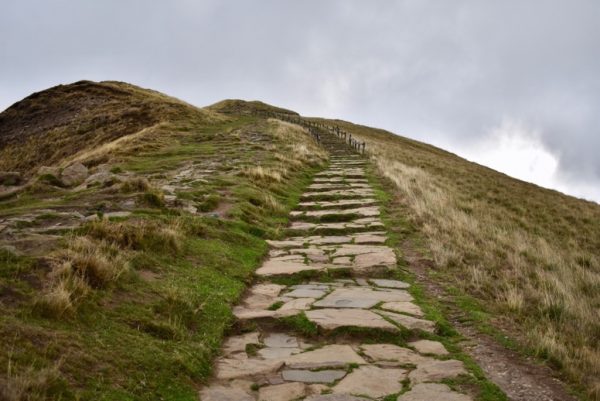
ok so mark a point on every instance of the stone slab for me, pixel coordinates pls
(334, 355)
(274, 267)
(330, 319)
(297, 304)
(429, 347)
(277, 353)
(335, 397)
(307, 376)
(368, 293)
(435, 370)
(228, 368)
(403, 307)
(282, 392)
(389, 283)
(246, 314)
(222, 393)
(332, 301)
(391, 352)
(410, 322)
(372, 381)
(433, 391)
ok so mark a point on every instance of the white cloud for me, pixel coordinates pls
(517, 150)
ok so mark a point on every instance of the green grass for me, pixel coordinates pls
(525, 253)
(153, 331)
(400, 229)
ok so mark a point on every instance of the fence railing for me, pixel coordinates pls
(314, 128)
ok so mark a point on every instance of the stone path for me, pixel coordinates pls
(335, 232)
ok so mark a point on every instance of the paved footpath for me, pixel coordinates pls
(335, 232)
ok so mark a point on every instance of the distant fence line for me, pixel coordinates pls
(315, 127)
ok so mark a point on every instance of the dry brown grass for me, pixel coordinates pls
(527, 252)
(99, 257)
(30, 384)
(297, 148)
(86, 121)
(294, 150)
(86, 263)
(265, 174)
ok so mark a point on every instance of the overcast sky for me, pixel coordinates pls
(511, 84)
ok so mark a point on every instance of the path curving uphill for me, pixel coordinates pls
(325, 321)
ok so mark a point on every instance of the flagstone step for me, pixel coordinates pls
(368, 211)
(338, 203)
(362, 224)
(373, 237)
(339, 193)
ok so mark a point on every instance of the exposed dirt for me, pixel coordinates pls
(521, 378)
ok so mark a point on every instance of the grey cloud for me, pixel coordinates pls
(439, 71)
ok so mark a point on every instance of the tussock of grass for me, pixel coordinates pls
(265, 174)
(136, 184)
(530, 253)
(31, 384)
(138, 234)
(85, 264)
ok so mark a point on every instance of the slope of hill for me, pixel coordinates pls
(49, 126)
(529, 257)
(118, 285)
(118, 282)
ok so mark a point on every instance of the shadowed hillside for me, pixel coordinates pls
(49, 126)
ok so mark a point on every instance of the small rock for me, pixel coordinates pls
(335, 397)
(271, 290)
(390, 283)
(410, 322)
(435, 370)
(238, 343)
(74, 174)
(433, 391)
(298, 304)
(282, 392)
(102, 178)
(228, 368)
(429, 347)
(403, 307)
(372, 381)
(317, 388)
(222, 393)
(333, 355)
(391, 352)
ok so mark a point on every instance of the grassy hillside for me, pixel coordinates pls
(121, 288)
(530, 255)
(49, 126)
